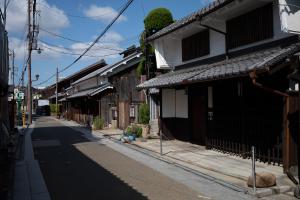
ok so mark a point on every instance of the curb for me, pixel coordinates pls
(29, 181)
(272, 191)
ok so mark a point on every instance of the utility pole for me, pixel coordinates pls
(4, 14)
(29, 98)
(13, 67)
(56, 91)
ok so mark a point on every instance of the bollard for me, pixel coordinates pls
(253, 169)
(23, 119)
(160, 138)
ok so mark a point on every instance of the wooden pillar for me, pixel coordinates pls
(286, 135)
(99, 104)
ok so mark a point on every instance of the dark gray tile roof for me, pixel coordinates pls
(91, 92)
(102, 88)
(81, 93)
(58, 95)
(234, 67)
(190, 18)
(107, 68)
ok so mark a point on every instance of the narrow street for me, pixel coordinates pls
(76, 168)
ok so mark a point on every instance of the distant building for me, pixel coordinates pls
(109, 92)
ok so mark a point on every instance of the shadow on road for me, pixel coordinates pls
(69, 174)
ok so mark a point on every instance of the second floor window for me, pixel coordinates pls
(251, 27)
(195, 46)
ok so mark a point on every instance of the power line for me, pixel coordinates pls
(96, 40)
(131, 38)
(77, 54)
(60, 36)
(72, 49)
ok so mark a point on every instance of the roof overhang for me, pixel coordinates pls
(259, 61)
(91, 92)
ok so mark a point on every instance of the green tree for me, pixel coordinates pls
(144, 113)
(156, 20)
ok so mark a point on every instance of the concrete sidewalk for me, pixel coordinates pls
(226, 167)
(29, 183)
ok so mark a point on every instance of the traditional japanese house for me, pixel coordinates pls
(108, 92)
(228, 87)
(65, 83)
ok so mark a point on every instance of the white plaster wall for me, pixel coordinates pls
(172, 52)
(174, 103)
(168, 103)
(168, 49)
(159, 54)
(290, 15)
(217, 43)
(181, 104)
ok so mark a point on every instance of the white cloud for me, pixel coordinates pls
(51, 17)
(20, 48)
(103, 13)
(112, 37)
(99, 51)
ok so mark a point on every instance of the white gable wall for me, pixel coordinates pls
(290, 15)
(168, 50)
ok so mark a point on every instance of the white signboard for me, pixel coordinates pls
(19, 95)
(44, 102)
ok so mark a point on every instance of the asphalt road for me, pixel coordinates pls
(75, 168)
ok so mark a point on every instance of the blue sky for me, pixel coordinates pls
(82, 21)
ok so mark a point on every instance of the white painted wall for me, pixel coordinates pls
(290, 15)
(168, 103)
(174, 103)
(181, 104)
(168, 49)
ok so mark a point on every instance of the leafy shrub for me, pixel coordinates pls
(139, 132)
(141, 68)
(144, 113)
(157, 19)
(53, 107)
(134, 130)
(98, 122)
(128, 129)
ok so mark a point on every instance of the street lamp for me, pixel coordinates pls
(36, 78)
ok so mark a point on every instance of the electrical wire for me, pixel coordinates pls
(132, 38)
(60, 36)
(95, 41)
(99, 48)
(77, 54)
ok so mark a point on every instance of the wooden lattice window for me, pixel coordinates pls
(195, 46)
(251, 27)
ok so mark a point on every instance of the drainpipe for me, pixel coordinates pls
(253, 76)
